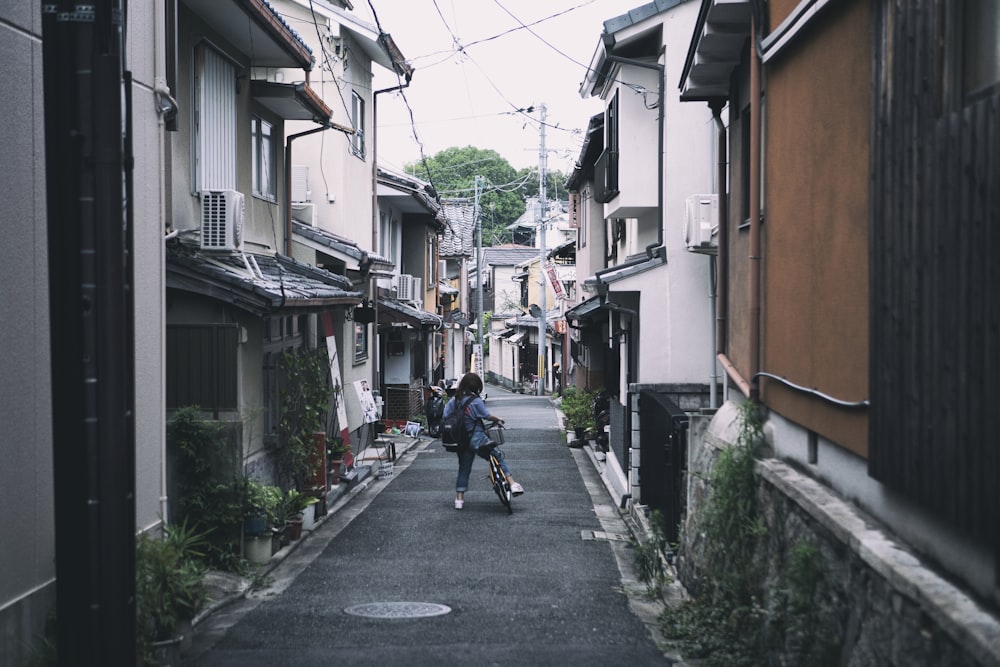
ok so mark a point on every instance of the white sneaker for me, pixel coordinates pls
(459, 503)
(516, 489)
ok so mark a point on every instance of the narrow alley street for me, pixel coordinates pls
(397, 576)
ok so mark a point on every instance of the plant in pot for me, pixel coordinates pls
(293, 505)
(262, 516)
(336, 451)
(576, 406)
(170, 589)
(255, 506)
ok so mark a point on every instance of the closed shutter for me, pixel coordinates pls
(202, 365)
(216, 130)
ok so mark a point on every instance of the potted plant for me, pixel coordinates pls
(576, 406)
(255, 502)
(337, 448)
(170, 589)
(262, 514)
(294, 505)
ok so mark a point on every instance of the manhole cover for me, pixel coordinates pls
(398, 609)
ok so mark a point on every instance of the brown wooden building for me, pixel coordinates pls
(858, 236)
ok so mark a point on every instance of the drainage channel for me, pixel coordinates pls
(398, 609)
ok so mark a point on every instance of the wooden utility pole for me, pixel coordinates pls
(85, 87)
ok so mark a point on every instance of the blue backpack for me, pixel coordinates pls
(454, 435)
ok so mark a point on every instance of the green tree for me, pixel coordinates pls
(555, 184)
(453, 171)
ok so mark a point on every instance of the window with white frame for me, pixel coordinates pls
(386, 245)
(264, 173)
(360, 342)
(358, 122)
(214, 136)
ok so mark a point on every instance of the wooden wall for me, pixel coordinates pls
(935, 248)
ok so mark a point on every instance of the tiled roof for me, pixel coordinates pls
(508, 255)
(339, 244)
(257, 283)
(395, 311)
(460, 223)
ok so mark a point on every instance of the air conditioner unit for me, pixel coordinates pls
(404, 287)
(300, 183)
(701, 224)
(222, 213)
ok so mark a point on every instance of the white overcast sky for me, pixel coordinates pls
(475, 64)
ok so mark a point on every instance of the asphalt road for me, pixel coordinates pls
(545, 585)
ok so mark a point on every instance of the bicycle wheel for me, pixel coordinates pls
(500, 483)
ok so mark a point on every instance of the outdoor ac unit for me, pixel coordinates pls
(404, 287)
(701, 224)
(222, 213)
(300, 183)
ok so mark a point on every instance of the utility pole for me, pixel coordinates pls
(478, 226)
(542, 211)
(88, 193)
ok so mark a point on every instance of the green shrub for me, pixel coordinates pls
(577, 406)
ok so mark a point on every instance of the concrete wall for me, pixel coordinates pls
(27, 558)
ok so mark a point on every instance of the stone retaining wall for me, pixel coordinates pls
(878, 603)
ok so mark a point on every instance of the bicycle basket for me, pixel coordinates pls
(495, 433)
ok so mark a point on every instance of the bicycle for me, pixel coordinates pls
(496, 476)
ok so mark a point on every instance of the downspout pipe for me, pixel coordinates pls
(653, 249)
(720, 262)
(288, 182)
(755, 265)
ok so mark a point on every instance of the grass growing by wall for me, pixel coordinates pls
(650, 556)
(736, 620)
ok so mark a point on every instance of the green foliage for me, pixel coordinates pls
(555, 184)
(726, 624)
(293, 503)
(650, 556)
(732, 522)
(305, 400)
(210, 489)
(798, 620)
(452, 172)
(336, 448)
(577, 406)
(169, 583)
